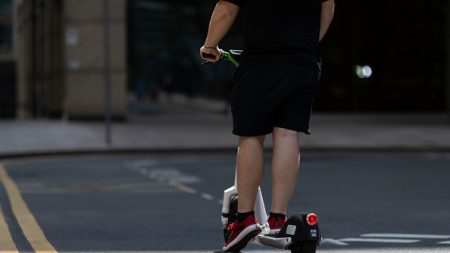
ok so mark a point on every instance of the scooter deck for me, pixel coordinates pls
(272, 241)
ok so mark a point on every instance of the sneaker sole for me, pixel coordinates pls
(244, 241)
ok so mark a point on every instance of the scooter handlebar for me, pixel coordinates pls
(232, 56)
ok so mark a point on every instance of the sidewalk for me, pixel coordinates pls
(181, 129)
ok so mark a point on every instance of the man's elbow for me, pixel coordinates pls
(328, 10)
(328, 3)
(227, 9)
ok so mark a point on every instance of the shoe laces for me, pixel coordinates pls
(278, 221)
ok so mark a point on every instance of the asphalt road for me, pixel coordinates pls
(171, 203)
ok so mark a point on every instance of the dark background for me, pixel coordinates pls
(7, 68)
(402, 41)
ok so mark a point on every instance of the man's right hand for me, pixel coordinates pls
(210, 54)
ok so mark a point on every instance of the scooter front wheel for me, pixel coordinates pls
(304, 247)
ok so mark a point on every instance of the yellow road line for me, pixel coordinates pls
(25, 218)
(7, 244)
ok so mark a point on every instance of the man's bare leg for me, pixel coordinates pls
(285, 167)
(250, 171)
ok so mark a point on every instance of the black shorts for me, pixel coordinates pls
(273, 95)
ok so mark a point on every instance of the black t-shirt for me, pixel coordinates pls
(280, 30)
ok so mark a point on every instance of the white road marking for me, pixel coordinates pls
(191, 191)
(207, 196)
(410, 236)
(333, 242)
(175, 174)
(378, 240)
(444, 242)
(170, 176)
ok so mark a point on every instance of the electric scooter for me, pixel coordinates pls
(300, 233)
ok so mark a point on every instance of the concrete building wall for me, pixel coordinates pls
(59, 51)
(84, 58)
(21, 52)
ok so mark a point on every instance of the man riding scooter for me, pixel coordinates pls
(275, 85)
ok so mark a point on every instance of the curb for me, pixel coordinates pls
(162, 151)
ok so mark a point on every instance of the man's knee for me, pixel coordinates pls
(284, 133)
(257, 139)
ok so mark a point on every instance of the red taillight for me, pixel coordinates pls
(311, 219)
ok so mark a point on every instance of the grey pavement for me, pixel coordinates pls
(166, 127)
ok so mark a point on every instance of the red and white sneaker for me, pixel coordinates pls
(241, 234)
(275, 224)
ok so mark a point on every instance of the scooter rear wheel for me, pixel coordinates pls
(304, 247)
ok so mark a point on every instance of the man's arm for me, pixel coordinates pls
(222, 18)
(326, 17)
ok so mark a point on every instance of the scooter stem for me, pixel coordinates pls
(260, 210)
